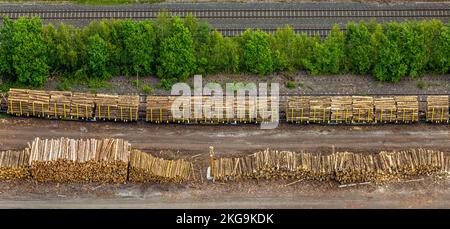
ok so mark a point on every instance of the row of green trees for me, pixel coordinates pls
(174, 49)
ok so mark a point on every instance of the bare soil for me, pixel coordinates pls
(422, 193)
(192, 142)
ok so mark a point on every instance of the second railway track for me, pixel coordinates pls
(421, 13)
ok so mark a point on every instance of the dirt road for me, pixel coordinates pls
(425, 193)
(16, 132)
(190, 140)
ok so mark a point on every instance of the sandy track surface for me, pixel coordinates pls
(16, 132)
(427, 193)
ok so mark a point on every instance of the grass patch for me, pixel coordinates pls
(421, 85)
(291, 85)
(96, 84)
(3, 115)
(147, 89)
(165, 84)
(301, 85)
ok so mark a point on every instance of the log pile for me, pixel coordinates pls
(362, 109)
(297, 109)
(38, 103)
(159, 109)
(128, 106)
(107, 107)
(59, 106)
(407, 109)
(14, 164)
(437, 108)
(146, 168)
(320, 107)
(341, 109)
(18, 102)
(343, 167)
(385, 109)
(212, 109)
(82, 105)
(79, 160)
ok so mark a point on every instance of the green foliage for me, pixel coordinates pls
(412, 40)
(138, 42)
(283, 45)
(421, 85)
(147, 88)
(437, 45)
(29, 52)
(63, 45)
(174, 49)
(176, 55)
(359, 54)
(165, 84)
(257, 54)
(290, 85)
(97, 58)
(6, 47)
(391, 64)
(328, 56)
(223, 55)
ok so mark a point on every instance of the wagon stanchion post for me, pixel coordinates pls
(211, 162)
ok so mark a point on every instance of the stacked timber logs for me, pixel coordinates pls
(128, 106)
(385, 109)
(297, 109)
(211, 109)
(82, 160)
(14, 164)
(82, 105)
(107, 107)
(343, 167)
(437, 108)
(159, 108)
(407, 108)
(38, 103)
(362, 109)
(319, 110)
(59, 106)
(341, 109)
(146, 168)
(18, 102)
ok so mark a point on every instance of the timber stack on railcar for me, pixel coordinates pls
(146, 168)
(128, 106)
(14, 164)
(297, 109)
(79, 160)
(362, 109)
(385, 109)
(341, 109)
(407, 109)
(320, 108)
(437, 109)
(18, 102)
(107, 107)
(59, 106)
(38, 103)
(159, 108)
(82, 105)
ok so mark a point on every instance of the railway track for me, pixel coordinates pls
(421, 13)
(333, 14)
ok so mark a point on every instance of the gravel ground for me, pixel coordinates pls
(304, 84)
(421, 193)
